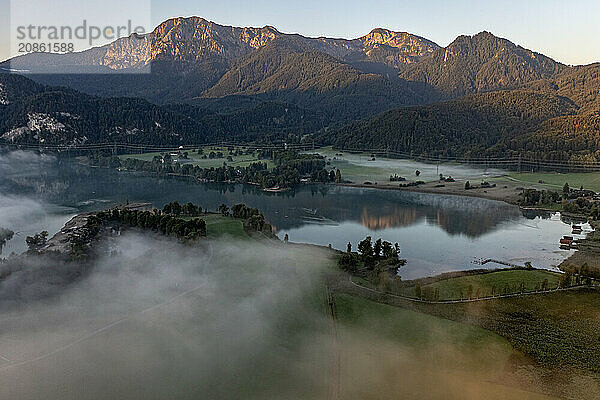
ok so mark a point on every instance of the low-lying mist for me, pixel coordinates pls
(163, 320)
(23, 164)
(22, 208)
(222, 320)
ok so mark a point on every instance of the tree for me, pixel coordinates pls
(565, 279)
(348, 262)
(467, 185)
(470, 292)
(418, 290)
(377, 248)
(566, 188)
(365, 248)
(331, 176)
(176, 208)
(349, 247)
(37, 241)
(387, 249)
(5, 236)
(191, 210)
(224, 210)
(418, 173)
(286, 239)
(338, 176)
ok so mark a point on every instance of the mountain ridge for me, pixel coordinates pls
(479, 63)
(354, 90)
(189, 38)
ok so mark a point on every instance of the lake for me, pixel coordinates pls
(436, 233)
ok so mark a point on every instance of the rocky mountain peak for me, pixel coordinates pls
(482, 62)
(399, 40)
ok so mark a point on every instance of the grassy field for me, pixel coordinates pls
(554, 180)
(359, 168)
(558, 332)
(218, 226)
(486, 284)
(417, 330)
(482, 285)
(196, 159)
(418, 356)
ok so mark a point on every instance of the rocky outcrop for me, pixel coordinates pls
(192, 39)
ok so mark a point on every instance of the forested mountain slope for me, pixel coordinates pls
(459, 128)
(51, 115)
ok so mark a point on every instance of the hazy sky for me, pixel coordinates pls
(565, 30)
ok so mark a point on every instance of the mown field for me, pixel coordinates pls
(196, 159)
(218, 226)
(471, 286)
(495, 283)
(359, 168)
(555, 180)
(411, 355)
(557, 332)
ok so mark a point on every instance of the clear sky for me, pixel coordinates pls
(568, 31)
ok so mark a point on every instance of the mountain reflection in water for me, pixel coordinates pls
(471, 217)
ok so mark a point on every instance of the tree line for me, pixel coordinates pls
(167, 224)
(290, 167)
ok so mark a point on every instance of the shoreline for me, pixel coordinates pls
(457, 189)
(498, 193)
(427, 190)
(508, 193)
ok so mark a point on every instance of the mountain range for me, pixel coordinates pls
(198, 79)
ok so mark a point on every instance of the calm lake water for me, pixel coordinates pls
(436, 233)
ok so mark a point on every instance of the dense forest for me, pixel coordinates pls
(460, 128)
(187, 229)
(36, 113)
